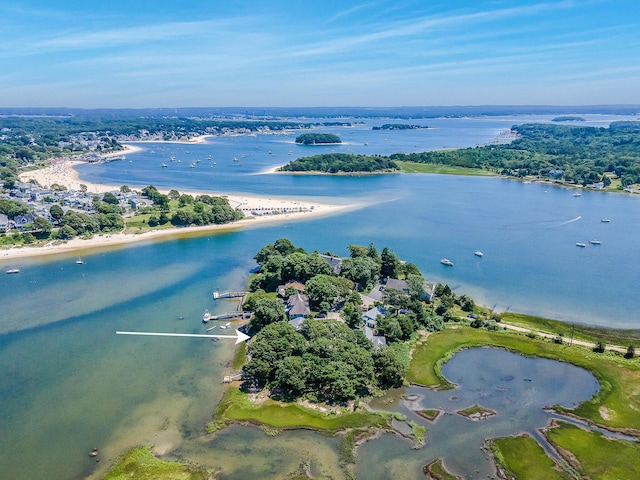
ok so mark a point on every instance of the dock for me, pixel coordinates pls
(217, 295)
(231, 315)
(232, 377)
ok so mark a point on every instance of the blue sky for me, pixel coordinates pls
(140, 53)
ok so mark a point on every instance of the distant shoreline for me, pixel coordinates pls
(64, 173)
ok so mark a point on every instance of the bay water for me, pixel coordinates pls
(68, 383)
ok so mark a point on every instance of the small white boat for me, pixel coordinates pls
(447, 262)
(13, 270)
(206, 317)
(227, 325)
(581, 245)
(223, 327)
(193, 165)
(595, 242)
(164, 165)
(478, 253)
(577, 194)
(79, 262)
(605, 220)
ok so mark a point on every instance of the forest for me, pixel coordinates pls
(341, 162)
(317, 138)
(577, 155)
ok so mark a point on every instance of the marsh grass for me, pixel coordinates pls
(141, 464)
(523, 458)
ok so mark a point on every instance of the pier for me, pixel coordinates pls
(217, 295)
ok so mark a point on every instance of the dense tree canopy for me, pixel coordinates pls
(317, 138)
(341, 162)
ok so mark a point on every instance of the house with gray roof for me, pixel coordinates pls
(334, 262)
(298, 306)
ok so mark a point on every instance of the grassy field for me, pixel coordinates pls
(615, 406)
(580, 332)
(598, 457)
(236, 407)
(523, 458)
(412, 167)
(140, 464)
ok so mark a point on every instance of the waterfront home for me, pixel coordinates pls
(376, 340)
(334, 262)
(4, 222)
(298, 306)
(291, 284)
(396, 284)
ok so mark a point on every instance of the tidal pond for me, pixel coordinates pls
(517, 388)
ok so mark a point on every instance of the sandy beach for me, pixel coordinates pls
(62, 172)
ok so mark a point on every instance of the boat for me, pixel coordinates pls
(164, 165)
(13, 270)
(478, 253)
(605, 220)
(447, 262)
(577, 194)
(206, 317)
(595, 242)
(193, 165)
(580, 244)
(79, 262)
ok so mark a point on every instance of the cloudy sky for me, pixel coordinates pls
(141, 53)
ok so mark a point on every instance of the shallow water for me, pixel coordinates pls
(68, 383)
(516, 387)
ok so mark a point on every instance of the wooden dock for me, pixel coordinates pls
(217, 295)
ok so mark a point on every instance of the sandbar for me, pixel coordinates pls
(62, 172)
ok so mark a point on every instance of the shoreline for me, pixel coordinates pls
(63, 172)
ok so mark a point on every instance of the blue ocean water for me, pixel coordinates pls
(68, 383)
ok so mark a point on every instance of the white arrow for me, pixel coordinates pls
(239, 336)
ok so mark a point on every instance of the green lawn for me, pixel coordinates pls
(140, 464)
(236, 407)
(523, 458)
(598, 457)
(413, 167)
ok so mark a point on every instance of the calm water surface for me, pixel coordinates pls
(68, 383)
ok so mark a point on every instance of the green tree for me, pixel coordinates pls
(56, 212)
(321, 289)
(389, 368)
(631, 351)
(290, 376)
(42, 227)
(125, 189)
(390, 266)
(362, 271)
(352, 315)
(267, 311)
(173, 194)
(110, 198)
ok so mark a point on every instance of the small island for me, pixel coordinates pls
(399, 126)
(341, 163)
(318, 139)
(568, 118)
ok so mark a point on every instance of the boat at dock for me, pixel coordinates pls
(447, 262)
(13, 270)
(206, 317)
(478, 253)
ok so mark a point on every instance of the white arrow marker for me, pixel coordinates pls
(239, 336)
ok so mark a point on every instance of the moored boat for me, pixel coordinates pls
(595, 242)
(79, 262)
(447, 262)
(580, 244)
(206, 317)
(478, 253)
(13, 270)
(605, 220)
